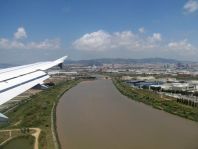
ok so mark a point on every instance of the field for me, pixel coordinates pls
(22, 142)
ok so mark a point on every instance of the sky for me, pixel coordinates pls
(36, 30)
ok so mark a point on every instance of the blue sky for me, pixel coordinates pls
(33, 30)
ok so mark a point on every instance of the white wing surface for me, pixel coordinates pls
(16, 80)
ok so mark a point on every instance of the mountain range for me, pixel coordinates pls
(99, 62)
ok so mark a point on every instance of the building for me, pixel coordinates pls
(151, 78)
(124, 78)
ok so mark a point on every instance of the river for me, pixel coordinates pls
(94, 115)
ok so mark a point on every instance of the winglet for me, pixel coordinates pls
(61, 60)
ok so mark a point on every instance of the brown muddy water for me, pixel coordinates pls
(94, 115)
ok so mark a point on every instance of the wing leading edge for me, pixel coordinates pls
(16, 80)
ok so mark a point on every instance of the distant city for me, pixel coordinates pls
(172, 78)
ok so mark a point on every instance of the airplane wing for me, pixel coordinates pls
(16, 80)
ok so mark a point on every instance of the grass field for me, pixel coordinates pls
(22, 142)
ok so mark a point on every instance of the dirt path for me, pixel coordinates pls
(53, 128)
(35, 134)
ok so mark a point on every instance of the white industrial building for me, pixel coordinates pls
(179, 86)
(150, 78)
(126, 78)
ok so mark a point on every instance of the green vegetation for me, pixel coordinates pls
(37, 112)
(22, 142)
(186, 77)
(155, 100)
(5, 135)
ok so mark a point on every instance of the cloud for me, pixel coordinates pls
(128, 43)
(191, 6)
(46, 44)
(102, 40)
(18, 43)
(141, 30)
(182, 48)
(155, 37)
(99, 40)
(8, 44)
(181, 45)
(124, 39)
(21, 33)
(15, 44)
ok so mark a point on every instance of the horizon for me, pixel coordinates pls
(7, 65)
(30, 31)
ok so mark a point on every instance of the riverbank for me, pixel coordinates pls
(156, 101)
(37, 112)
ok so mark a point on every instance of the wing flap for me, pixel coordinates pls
(4, 85)
(12, 91)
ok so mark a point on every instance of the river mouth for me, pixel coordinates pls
(94, 115)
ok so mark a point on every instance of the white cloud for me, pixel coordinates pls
(15, 44)
(141, 30)
(8, 44)
(182, 49)
(4, 42)
(101, 41)
(46, 44)
(21, 33)
(155, 37)
(127, 43)
(191, 6)
(181, 45)
(20, 44)
(125, 39)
